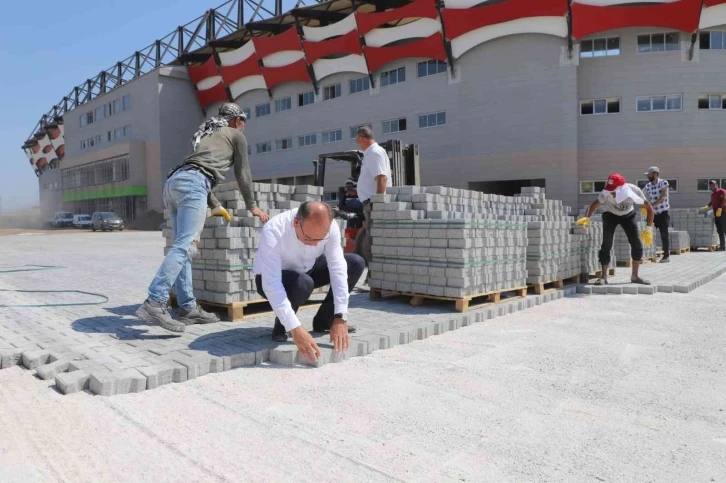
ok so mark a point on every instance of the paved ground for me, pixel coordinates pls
(581, 389)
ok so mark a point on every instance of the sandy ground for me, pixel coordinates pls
(600, 388)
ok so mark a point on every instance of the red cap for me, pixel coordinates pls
(614, 181)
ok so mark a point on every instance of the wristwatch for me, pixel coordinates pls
(343, 316)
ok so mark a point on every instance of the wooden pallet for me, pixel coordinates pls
(540, 288)
(586, 277)
(711, 248)
(629, 263)
(679, 251)
(462, 304)
(239, 311)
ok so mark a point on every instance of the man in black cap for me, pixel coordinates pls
(217, 146)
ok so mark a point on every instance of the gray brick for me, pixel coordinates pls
(71, 382)
(36, 358)
(113, 383)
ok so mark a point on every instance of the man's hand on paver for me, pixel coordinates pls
(339, 335)
(305, 343)
(220, 211)
(260, 214)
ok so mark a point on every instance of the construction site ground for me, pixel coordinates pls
(581, 388)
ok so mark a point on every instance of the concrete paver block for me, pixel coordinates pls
(71, 382)
(113, 383)
(49, 371)
(36, 358)
(284, 355)
(647, 290)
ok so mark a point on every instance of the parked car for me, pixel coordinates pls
(82, 221)
(61, 219)
(106, 220)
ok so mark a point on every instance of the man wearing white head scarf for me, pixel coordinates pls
(619, 199)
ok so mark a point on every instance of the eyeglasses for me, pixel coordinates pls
(310, 239)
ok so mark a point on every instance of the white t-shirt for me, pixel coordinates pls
(620, 202)
(281, 250)
(375, 163)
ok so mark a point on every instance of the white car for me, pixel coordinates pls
(61, 219)
(82, 221)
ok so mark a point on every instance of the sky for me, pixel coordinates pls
(49, 47)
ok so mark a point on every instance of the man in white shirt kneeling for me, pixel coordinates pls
(299, 251)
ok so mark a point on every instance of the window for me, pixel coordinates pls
(600, 47)
(600, 106)
(284, 104)
(432, 120)
(591, 187)
(390, 77)
(83, 144)
(109, 136)
(126, 102)
(107, 110)
(91, 142)
(98, 173)
(430, 67)
(118, 133)
(84, 120)
(98, 113)
(672, 184)
(712, 101)
(660, 42)
(354, 129)
(264, 147)
(305, 98)
(262, 109)
(284, 144)
(702, 183)
(331, 92)
(127, 130)
(712, 40)
(97, 138)
(118, 106)
(307, 140)
(332, 136)
(248, 112)
(659, 103)
(89, 119)
(394, 125)
(359, 85)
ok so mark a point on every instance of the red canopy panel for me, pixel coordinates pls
(198, 73)
(682, 15)
(295, 72)
(345, 44)
(713, 3)
(459, 21)
(61, 151)
(418, 9)
(248, 67)
(288, 40)
(42, 163)
(212, 95)
(431, 47)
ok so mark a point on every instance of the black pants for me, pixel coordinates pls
(661, 221)
(299, 286)
(720, 222)
(609, 223)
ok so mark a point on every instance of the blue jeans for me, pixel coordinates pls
(185, 196)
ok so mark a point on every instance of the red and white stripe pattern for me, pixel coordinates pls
(713, 14)
(338, 38)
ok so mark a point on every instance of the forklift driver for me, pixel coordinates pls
(351, 205)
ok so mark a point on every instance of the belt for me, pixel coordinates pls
(190, 167)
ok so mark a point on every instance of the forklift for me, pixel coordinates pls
(405, 171)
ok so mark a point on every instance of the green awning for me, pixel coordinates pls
(105, 192)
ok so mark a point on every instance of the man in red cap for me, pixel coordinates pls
(618, 197)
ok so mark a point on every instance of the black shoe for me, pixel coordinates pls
(665, 260)
(279, 334)
(319, 327)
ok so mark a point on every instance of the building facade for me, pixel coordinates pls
(497, 95)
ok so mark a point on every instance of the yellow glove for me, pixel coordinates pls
(220, 211)
(584, 221)
(643, 211)
(718, 212)
(647, 236)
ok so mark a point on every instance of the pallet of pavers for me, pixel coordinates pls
(448, 244)
(553, 253)
(679, 242)
(699, 225)
(222, 271)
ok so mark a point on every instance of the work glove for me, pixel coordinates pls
(643, 211)
(718, 212)
(647, 236)
(703, 207)
(220, 211)
(584, 221)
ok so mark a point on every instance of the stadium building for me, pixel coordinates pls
(497, 95)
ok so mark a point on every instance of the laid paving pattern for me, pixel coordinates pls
(83, 342)
(683, 274)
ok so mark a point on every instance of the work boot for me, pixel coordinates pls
(279, 334)
(158, 314)
(197, 316)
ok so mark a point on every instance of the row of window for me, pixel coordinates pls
(107, 110)
(114, 135)
(595, 187)
(433, 119)
(658, 42)
(361, 84)
(670, 102)
(98, 173)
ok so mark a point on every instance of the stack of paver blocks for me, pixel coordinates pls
(699, 225)
(552, 251)
(590, 238)
(622, 246)
(450, 242)
(222, 271)
(677, 240)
